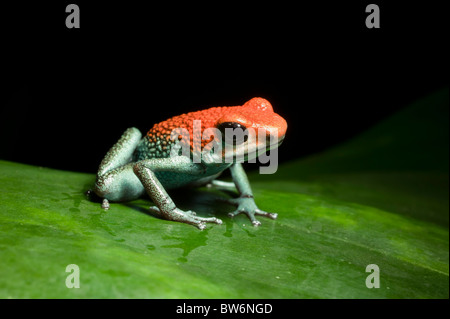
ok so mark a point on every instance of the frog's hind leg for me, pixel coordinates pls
(116, 180)
(122, 152)
(146, 169)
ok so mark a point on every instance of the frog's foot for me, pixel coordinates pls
(246, 205)
(188, 217)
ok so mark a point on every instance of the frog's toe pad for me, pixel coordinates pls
(105, 204)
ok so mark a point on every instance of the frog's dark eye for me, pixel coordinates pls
(233, 133)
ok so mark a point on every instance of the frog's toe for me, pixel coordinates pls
(250, 215)
(200, 222)
(255, 222)
(235, 213)
(266, 214)
(105, 204)
(201, 226)
(209, 220)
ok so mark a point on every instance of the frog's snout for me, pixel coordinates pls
(277, 128)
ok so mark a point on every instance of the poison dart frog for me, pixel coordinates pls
(155, 163)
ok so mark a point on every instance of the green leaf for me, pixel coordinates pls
(381, 198)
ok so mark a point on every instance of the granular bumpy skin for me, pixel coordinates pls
(157, 143)
(154, 146)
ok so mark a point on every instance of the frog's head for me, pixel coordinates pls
(263, 130)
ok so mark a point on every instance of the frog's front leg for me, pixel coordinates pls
(245, 202)
(145, 170)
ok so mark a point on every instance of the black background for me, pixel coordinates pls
(68, 94)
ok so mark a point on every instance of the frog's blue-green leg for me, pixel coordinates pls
(245, 202)
(145, 170)
(120, 179)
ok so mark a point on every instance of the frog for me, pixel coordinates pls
(157, 162)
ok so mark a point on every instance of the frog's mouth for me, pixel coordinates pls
(250, 151)
(255, 153)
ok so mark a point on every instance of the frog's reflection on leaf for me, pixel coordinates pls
(188, 243)
(206, 203)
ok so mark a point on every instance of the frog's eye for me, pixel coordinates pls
(233, 133)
